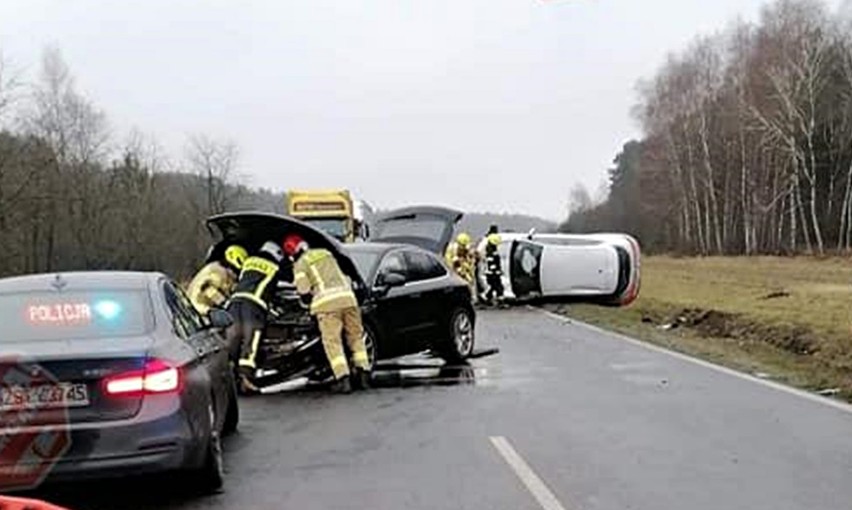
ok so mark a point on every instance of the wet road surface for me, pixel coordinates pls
(564, 417)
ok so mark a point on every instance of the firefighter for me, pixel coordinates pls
(212, 285)
(462, 258)
(319, 278)
(249, 307)
(493, 270)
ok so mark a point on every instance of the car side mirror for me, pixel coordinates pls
(394, 280)
(386, 281)
(220, 319)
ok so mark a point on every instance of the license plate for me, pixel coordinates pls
(14, 398)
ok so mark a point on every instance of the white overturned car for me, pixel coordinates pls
(600, 268)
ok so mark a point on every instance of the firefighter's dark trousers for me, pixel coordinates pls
(244, 336)
(495, 287)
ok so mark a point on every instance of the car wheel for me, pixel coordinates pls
(232, 415)
(372, 346)
(211, 476)
(461, 338)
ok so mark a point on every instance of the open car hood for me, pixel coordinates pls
(252, 229)
(428, 227)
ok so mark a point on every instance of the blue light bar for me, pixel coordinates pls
(107, 309)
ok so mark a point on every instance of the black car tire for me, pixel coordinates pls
(371, 345)
(210, 477)
(232, 415)
(453, 348)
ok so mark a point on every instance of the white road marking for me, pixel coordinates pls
(533, 483)
(842, 406)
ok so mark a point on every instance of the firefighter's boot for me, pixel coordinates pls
(342, 385)
(361, 379)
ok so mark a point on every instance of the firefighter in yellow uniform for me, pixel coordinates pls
(462, 258)
(317, 274)
(213, 284)
(249, 307)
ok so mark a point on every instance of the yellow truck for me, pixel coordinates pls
(333, 211)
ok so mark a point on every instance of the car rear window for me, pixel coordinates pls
(34, 316)
(423, 226)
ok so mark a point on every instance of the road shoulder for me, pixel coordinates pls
(757, 363)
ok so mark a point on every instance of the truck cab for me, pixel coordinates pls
(332, 211)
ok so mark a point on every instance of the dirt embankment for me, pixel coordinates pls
(713, 323)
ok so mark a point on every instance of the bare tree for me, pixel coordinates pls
(73, 127)
(10, 85)
(748, 138)
(215, 164)
(579, 199)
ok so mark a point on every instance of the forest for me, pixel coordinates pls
(73, 196)
(746, 146)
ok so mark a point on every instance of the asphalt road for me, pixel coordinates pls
(565, 417)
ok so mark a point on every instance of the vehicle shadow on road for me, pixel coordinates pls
(402, 376)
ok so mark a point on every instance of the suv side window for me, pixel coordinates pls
(422, 266)
(185, 322)
(393, 262)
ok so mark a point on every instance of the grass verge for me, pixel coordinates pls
(787, 319)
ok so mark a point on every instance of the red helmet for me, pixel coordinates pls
(292, 244)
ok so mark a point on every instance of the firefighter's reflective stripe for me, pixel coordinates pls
(255, 344)
(314, 256)
(255, 277)
(493, 264)
(339, 362)
(260, 264)
(360, 358)
(319, 274)
(317, 278)
(343, 298)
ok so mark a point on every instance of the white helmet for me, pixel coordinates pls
(273, 250)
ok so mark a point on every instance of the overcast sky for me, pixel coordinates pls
(496, 105)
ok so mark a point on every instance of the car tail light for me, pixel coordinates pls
(156, 377)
